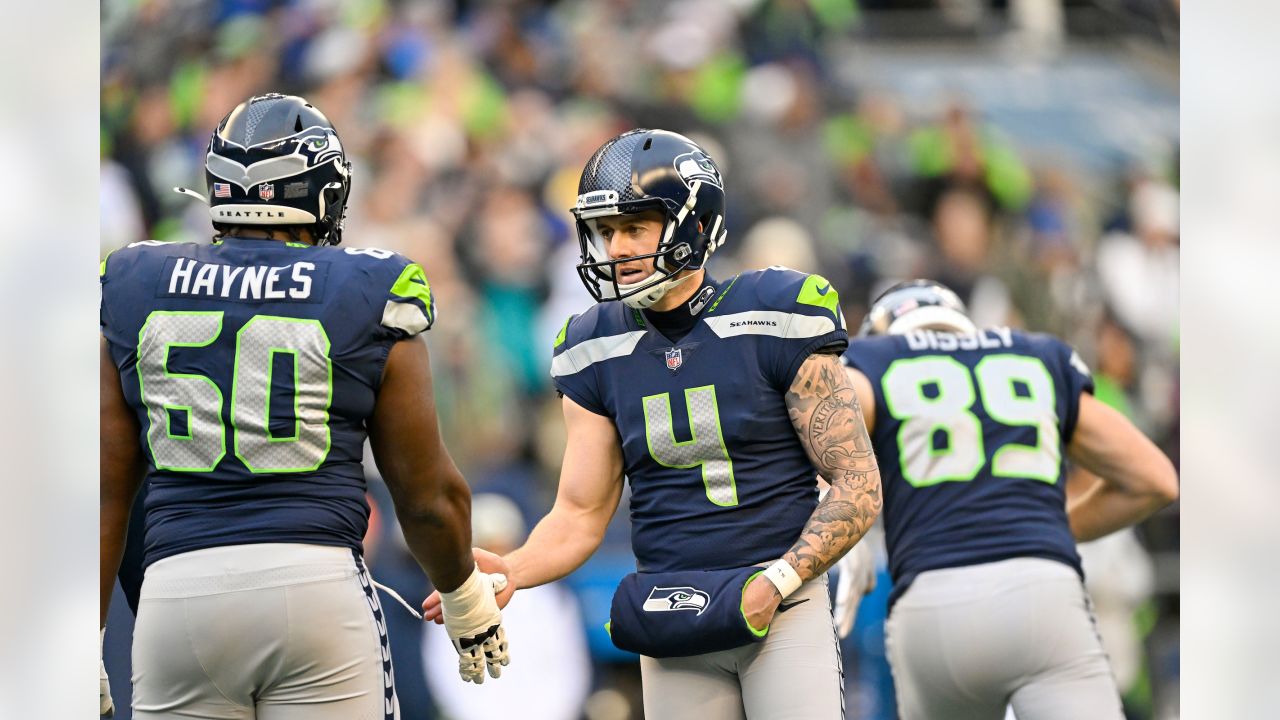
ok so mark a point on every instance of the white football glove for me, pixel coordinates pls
(857, 578)
(474, 624)
(105, 706)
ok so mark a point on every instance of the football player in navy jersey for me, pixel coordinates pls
(973, 428)
(240, 380)
(716, 400)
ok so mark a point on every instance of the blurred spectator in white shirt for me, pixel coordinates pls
(1139, 270)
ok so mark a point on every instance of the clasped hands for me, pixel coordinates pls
(472, 617)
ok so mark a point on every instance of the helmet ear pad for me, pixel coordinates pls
(333, 201)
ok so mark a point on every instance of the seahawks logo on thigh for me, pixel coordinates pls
(663, 599)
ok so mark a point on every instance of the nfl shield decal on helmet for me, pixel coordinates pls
(674, 359)
(266, 191)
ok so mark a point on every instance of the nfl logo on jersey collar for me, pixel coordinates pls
(675, 359)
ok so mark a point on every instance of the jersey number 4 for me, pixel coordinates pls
(705, 449)
(934, 395)
(204, 443)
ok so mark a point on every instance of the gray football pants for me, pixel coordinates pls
(966, 642)
(265, 632)
(794, 674)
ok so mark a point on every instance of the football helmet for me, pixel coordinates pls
(916, 305)
(277, 160)
(649, 170)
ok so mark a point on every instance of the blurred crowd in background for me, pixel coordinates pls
(1022, 152)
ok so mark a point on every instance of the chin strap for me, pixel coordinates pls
(646, 300)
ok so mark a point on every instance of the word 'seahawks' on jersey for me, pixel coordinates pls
(974, 428)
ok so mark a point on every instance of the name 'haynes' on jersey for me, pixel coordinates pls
(252, 366)
(301, 281)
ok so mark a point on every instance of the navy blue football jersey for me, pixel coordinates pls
(969, 435)
(718, 477)
(253, 365)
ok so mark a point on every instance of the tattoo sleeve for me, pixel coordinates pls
(825, 412)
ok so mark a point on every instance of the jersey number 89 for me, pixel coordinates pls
(948, 411)
(204, 445)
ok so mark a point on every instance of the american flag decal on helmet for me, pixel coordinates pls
(222, 190)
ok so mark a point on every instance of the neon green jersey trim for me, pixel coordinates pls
(412, 283)
(102, 267)
(564, 330)
(742, 608)
(818, 292)
(716, 304)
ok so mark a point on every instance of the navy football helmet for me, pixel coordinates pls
(649, 170)
(916, 305)
(277, 160)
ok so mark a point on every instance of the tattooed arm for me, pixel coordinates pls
(826, 414)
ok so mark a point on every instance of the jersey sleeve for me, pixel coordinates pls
(1074, 378)
(807, 310)
(572, 366)
(121, 300)
(404, 299)
(104, 316)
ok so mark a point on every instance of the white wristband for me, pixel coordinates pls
(784, 577)
(468, 592)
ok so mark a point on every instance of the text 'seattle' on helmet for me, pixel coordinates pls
(649, 170)
(277, 160)
(917, 305)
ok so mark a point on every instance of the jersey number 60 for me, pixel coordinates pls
(203, 445)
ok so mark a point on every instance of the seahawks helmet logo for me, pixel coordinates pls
(267, 162)
(323, 148)
(676, 598)
(695, 165)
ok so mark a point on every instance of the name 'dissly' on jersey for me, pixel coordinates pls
(298, 281)
(996, 337)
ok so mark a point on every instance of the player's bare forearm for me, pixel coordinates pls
(1105, 509)
(120, 475)
(438, 533)
(559, 544)
(825, 412)
(1137, 479)
(588, 495)
(432, 500)
(110, 550)
(433, 506)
